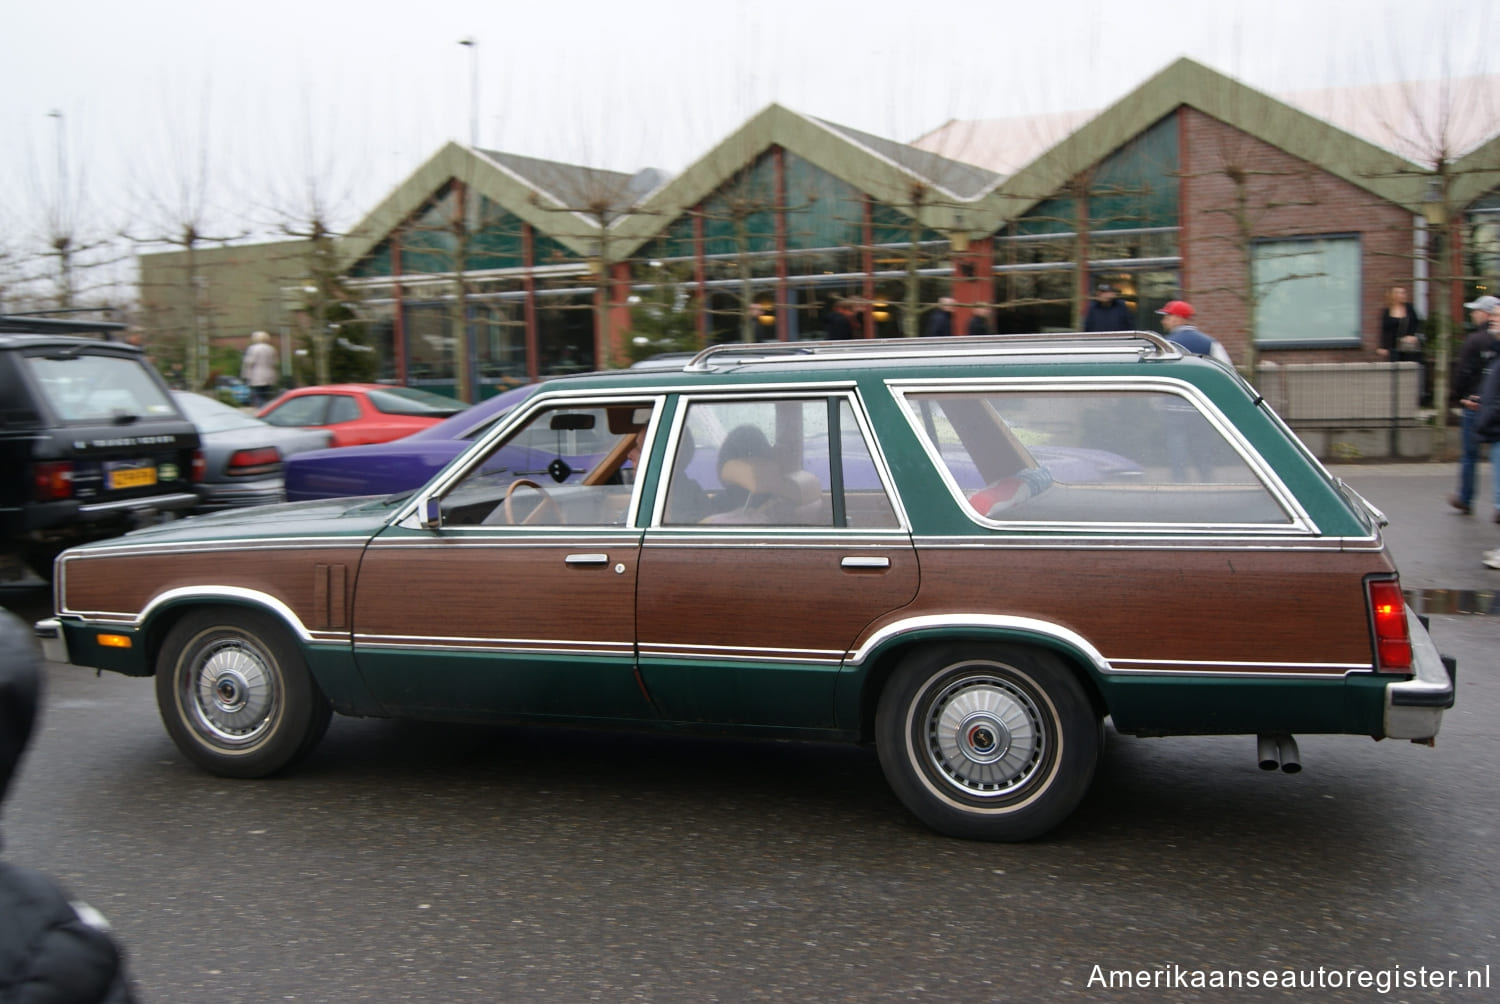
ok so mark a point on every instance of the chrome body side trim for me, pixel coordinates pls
(179, 500)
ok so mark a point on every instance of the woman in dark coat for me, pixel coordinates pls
(1401, 335)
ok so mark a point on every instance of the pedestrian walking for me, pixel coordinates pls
(1177, 318)
(258, 368)
(1480, 348)
(1487, 430)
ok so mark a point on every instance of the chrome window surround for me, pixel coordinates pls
(845, 391)
(1299, 521)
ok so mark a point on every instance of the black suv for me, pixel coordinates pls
(90, 440)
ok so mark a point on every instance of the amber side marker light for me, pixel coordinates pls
(1392, 641)
(113, 640)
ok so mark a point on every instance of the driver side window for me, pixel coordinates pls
(568, 465)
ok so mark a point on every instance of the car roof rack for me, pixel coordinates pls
(32, 324)
(1144, 343)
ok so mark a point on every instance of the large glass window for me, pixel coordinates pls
(429, 343)
(1089, 455)
(1307, 290)
(1484, 254)
(800, 462)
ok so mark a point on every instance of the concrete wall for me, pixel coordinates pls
(1343, 411)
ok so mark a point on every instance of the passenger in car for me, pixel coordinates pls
(744, 442)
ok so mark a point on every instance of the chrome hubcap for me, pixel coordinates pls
(985, 736)
(234, 693)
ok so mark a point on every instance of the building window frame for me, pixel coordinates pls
(1310, 285)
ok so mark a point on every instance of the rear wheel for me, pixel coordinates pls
(987, 743)
(235, 694)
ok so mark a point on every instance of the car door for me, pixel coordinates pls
(517, 598)
(776, 542)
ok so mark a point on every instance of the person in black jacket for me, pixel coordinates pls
(1487, 423)
(1107, 312)
(51, 950)
(940, 319)
(840, 325)
(1474, 360)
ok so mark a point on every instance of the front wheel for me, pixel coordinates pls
(987, 743)
(235, 694)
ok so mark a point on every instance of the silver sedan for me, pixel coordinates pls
(242, 455)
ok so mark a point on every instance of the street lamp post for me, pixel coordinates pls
(472, 44)
(1435, 210)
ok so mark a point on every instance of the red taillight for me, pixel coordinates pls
(1392, 640)
(263, 460)
(200, 466)
(52, 480)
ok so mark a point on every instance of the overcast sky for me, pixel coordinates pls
(254, 96)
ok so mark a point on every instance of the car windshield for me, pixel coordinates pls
(83, 386)
(212, 416)
(410, 401)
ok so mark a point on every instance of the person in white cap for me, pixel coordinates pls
(1474, 360)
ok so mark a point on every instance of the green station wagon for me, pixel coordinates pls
(970, 552)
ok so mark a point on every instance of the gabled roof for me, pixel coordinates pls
(563, 201)
(1185, 82)
(1476, 174)
(964, 180)
(885, 169)
(610, 193)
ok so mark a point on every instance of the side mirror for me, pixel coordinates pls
(432, 513)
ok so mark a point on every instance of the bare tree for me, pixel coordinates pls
(306, 197)
(1257, 192)
(72, 250)
(175, 196)
(1437, 126)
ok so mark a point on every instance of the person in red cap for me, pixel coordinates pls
(1184, 424)
(1177, 317)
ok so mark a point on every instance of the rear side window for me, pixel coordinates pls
(411, 401)
(84, 387)
(1090, 456)
(306, 409)
(342, 408)
(798, 462)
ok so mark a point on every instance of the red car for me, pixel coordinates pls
(360, 412)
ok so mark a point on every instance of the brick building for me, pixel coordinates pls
(487, 268)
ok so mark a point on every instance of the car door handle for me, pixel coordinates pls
(586, 559)
(865, 562)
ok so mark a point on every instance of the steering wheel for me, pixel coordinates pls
(548, 502)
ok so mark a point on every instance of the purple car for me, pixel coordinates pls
(399, 465)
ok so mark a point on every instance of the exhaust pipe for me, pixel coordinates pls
(1266, 753)
(1286, 751)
